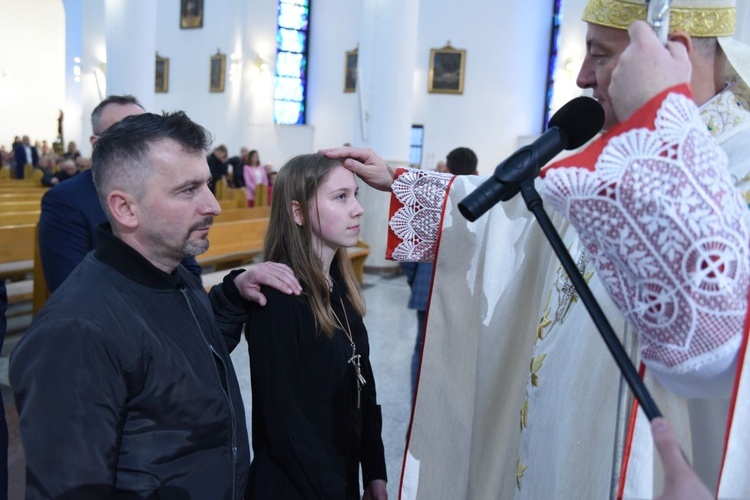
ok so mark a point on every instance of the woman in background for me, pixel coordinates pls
(315, 415)
(254, 175)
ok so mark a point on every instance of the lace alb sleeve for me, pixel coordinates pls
(417, 206)
(668, 234)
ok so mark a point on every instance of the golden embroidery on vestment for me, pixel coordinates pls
(536, 365)
(524, 413)
(520, 471)
(697, 22)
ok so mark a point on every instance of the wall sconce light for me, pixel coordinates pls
(235, 67)
(261, 64)
(77, 69)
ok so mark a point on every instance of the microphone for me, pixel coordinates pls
(571, 127)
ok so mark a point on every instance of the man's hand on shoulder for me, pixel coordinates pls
(278, 276)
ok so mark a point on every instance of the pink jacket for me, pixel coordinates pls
(249, 173)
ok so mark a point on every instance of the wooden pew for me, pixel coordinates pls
(358, 255)
(16, 218)
(20, 206)
(235, 214)
(230, 204)
(16, 251)
(234, 243)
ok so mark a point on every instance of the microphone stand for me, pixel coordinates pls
(534, 204)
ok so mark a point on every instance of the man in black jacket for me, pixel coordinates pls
(217, 163)
(124, 383)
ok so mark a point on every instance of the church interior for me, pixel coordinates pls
(411, 80)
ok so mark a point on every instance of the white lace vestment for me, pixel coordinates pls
(518, 397)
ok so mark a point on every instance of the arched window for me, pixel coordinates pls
(290, 90)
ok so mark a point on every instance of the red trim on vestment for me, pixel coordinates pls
(629, 439)
(643, 118)
(426, 322)
(735, 393)
(393, 240)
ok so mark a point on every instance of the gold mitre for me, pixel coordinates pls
(698, 18)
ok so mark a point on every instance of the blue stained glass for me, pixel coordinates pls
(289, 113)
(554, 41)
(293, 17)
(290, 64)
(291, 40)
(289, 89)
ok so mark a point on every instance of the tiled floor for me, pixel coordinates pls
(392, 329)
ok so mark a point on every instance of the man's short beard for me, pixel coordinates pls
(191, 248)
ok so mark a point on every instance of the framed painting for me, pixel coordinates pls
(447, 67)
(161, 81)
(191, 14)
(350, 71)
(218, 71)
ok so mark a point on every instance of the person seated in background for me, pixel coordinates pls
(315, 414)
(237, 162)
(72, 151)
(68, 169)
(71, 212)
(217, 163)
(48, 166)
(83, 163)
(4, 157)
(254, 174)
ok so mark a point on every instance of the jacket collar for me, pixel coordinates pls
(120, 256)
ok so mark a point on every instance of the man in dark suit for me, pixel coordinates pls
(71, 211)
(25, 154)
(3, 424)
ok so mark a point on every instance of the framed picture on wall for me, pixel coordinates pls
(350, 71)
(161, 80)
(218, 70)
(191, 14)
(447, 67)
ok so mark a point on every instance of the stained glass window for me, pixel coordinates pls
(291, 62)
(556, 20)
(415, 146)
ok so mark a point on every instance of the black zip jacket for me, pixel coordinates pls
(125, 387)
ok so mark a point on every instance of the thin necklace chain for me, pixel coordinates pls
(354, 360)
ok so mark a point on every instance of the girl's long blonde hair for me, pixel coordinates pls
(298, 180)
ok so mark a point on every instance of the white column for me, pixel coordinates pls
(386, 61)
(130, 27)
(73, 121)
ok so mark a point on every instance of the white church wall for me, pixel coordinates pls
(32, 69)
(506, 58)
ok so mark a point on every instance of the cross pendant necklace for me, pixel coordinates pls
(354, 360)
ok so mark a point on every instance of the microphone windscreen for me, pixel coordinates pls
(580, 120)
